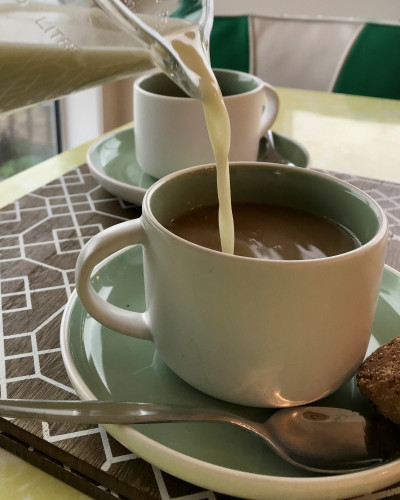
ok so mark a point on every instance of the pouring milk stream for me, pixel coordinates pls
(188, 46)
(48, 50)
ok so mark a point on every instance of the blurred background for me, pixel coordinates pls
(353, 49)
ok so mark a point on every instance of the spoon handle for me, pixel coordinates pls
(106, 412)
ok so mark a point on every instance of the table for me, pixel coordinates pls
(343, 133)
(348, 135)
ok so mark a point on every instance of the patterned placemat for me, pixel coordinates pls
(40, 237)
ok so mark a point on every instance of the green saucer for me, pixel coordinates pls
(112, 162)
(103, 364)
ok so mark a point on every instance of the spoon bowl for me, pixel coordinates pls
(319, 439)
(268, 151)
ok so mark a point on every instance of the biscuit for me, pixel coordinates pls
(378, 378)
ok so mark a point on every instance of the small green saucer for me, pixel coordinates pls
(105, 365)
(112, 162)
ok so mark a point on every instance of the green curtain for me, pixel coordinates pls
(229, 43)
(372, 67)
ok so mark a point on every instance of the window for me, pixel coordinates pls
(27, 137)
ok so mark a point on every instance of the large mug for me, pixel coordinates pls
(170, 129)
(256, 332)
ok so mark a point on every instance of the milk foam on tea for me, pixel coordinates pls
(267, 232)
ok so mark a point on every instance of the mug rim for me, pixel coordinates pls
(138, 82)
(379, 236)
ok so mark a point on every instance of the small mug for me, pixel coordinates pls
(170, 129)
(270, 333)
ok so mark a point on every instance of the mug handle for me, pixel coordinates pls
(99, 247)
(270, 111)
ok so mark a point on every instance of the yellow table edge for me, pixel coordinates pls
(365, 132)
(29, 180)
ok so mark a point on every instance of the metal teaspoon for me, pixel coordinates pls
(319, 439)
(267, 151)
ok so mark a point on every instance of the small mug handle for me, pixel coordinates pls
(96, 249)
(271, 109)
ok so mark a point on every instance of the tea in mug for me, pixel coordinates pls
(267, 232)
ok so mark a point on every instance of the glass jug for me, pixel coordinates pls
(50, 48)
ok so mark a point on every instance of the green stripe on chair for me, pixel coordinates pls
(229, 43)
(372, 67)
